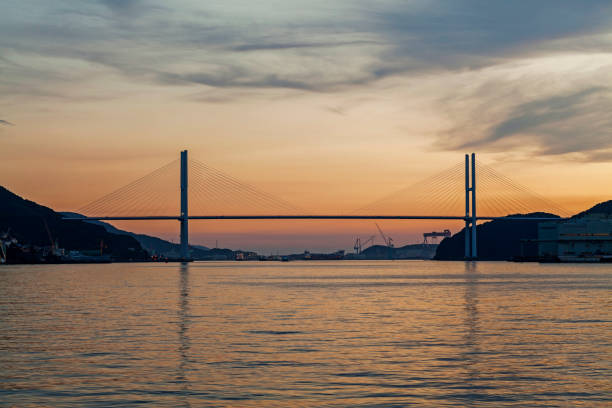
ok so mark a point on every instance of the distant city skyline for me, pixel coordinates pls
(326, 105)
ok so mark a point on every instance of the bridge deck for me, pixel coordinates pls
(310, 217)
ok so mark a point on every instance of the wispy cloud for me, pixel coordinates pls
(296, 45)
(572, 123)
(220, 49)
(125, 7)
(6, 123)
(562, 123)
(325, 48)
(454, 34)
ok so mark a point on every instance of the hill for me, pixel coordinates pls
(34, 224)
(604, 208)
(151, 244)
(498, 240)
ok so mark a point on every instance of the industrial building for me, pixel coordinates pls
(584, 238)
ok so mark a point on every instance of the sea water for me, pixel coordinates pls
(306, 334)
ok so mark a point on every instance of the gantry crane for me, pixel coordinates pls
(446, 233)
(360, 244)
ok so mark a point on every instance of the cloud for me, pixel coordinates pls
(123, 7)
(537, 116)
(214, 49)
(361, 45)
(467, 33)
(6, 123)
(285, 46)
(296, 45)
(575, 123)
(233, 77)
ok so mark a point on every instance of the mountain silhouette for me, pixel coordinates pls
(34, 224)
(498, 240)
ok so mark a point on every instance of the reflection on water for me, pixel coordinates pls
(183, 327)
(471, 340)
(305, 334)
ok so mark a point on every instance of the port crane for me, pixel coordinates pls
(54, 246)
(434, 235)
(2, 249)
(360, 244)
(387, 240)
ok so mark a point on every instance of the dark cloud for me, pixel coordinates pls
(397, 39)
(361, 44)
(468, 33)
(541, 113)
(598, 156)
(576, 122)
(123, 6)
(6, 123)
(296, 45)
(233, 77)
(400, 39)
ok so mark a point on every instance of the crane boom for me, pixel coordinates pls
(53, 244)
(359, 244)
(371, 239)
(387, 240)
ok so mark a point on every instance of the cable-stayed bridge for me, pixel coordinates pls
(206, 193)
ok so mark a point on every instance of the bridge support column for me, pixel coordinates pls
(474, 241)
(467, 253)
(184, 219)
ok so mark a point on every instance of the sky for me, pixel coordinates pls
(329, 105)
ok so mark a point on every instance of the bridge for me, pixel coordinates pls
(212, 184)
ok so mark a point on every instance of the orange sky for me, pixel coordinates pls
(330, 116)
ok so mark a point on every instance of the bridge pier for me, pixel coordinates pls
(474, 241)
(184, 218)
(467, 208)
(471, 248)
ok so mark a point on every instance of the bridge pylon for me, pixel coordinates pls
(471, 248)
(184, 218)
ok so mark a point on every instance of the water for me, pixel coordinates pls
(359, 334)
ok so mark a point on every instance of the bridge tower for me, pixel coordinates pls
(474, 242)
(184, 218)
(467, 208)
(471, 249)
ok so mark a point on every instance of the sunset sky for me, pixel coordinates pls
(329, 105)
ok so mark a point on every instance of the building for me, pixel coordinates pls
(584, 238)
